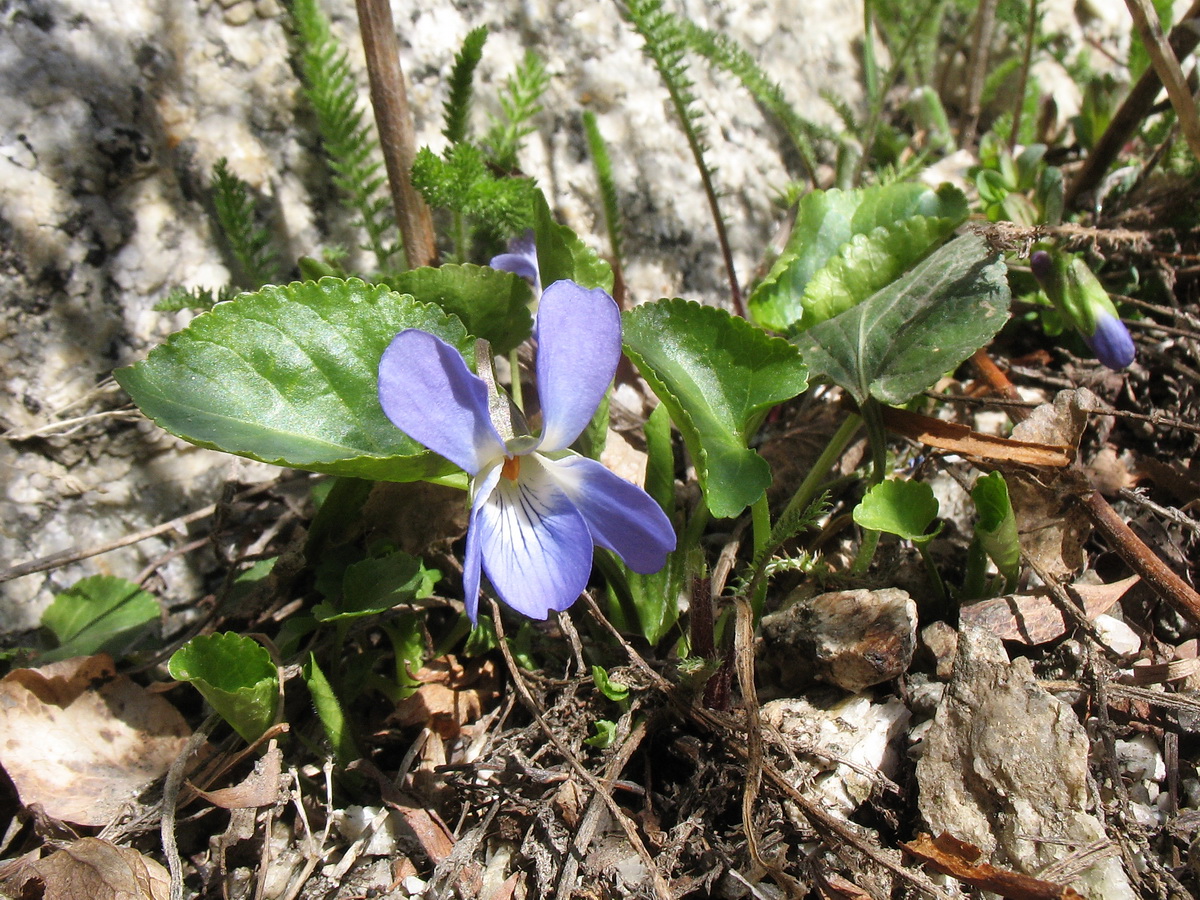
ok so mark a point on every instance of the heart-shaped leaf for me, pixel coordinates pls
(903, 508)
(827, 220)
(717, 375)
(289, 375)
(100, 614)
(236, 676)
(494, 305)
(901, 340)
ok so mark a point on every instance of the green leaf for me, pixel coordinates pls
(375, 585)
(561, 254)
(613, 690)
(996, 527)
(236, 676)
(901, 340)
(289, 375)
(493, 305)
(826, 220)
(407, 634)
(904, 508)
(867, 263)
(717, 375)
(100, 614)
(606, 734)
(330, 712)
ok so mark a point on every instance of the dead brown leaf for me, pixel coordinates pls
(958, 859)
(961, 439)
(89, 868)
(260, 787)
(83, 741)
(1035, 618)
(451, 695)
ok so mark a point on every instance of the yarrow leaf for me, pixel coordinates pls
(288, 375)
(717, 375)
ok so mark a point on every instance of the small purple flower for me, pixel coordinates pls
(1084, 303)
(521, 259)
(537, 508)
(1111, 342)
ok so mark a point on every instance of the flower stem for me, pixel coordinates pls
(760, 523)
(816, 475)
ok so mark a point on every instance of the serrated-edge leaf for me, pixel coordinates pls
(492, 304)
(235, 675)
(561, 253)
(867, 263)
(825, 220)
(688, 354)
(902, 339)
(218, 382)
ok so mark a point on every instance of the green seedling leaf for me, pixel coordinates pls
(289, 375)
(606, 734)
(407, 634)
(825, 221)
(100, 614)
(904, 508)
(236, 676)
(375, 585)
(904, 338)
(329, 711)
(996, 526)
(491, 304)
(717, 375)
(869, 262)
(613, 690)
(561, 254)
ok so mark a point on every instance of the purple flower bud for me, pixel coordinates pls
(1042, 265)
(1111, 343)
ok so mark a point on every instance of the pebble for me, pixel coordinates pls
(852, 639)
(240, 13)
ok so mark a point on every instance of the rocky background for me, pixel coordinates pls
(116, 110)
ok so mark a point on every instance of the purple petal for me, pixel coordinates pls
(622, 517)
(481, 490)
(521, 259)
(1111, 343)
(428, 392)
(536, 547)
(579, 345)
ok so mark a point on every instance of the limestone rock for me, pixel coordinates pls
(1005, 767)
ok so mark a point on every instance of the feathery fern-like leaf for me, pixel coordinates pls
(664, 46)
(461, 182)
(182, 298)
(457, 107)
(520, 101)
(727, 55)
(608, 187)
(349, 143)
(250, 244)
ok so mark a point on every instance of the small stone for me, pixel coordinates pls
(853, 639)
(268, 9)
(1006, 764)
(941, 640)
(240, 13)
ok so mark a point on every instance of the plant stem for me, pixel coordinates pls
(816, 475)
(872, 415)
(393, 118)
(1023, 82)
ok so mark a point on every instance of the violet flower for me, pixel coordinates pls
(537, 508)
(1084, 303)
(521, 259)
